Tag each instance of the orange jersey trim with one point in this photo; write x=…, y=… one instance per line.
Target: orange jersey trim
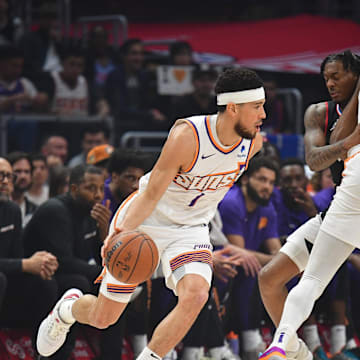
x=215, y=143
x=122, y=206
x=193, y=128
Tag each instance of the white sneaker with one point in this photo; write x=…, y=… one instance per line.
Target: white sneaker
x=302, y=354
x=52, y=331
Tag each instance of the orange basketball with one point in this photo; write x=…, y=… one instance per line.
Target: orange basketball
x=131, y=257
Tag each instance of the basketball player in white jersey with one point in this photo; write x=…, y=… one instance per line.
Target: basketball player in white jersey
x=201, y=159
x=337, y=237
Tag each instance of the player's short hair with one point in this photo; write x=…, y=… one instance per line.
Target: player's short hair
x=78, y=172
x=350, y=61
x=236, y=79
x=121, y=159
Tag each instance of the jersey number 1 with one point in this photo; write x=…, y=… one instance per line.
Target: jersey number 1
x=195, y=199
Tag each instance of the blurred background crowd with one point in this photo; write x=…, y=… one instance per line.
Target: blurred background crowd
x=86, y=101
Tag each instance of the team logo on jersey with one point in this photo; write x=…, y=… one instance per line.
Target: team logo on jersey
x=334, y=124
x=209, y=182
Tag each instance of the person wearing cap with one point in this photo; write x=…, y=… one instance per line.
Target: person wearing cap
x=99, y=157
x=202, y=100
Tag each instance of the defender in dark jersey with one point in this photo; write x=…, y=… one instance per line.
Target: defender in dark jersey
x=340, y=72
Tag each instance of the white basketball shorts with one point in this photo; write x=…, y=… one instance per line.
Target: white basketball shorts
x=183, y=250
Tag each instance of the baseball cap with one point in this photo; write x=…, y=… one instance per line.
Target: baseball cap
x=99, y=153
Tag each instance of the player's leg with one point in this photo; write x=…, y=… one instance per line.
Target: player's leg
x=290, y=261
x=192, y=292
x=273, y=278
x=99, y=311
x=327, y=255
x=186, y=265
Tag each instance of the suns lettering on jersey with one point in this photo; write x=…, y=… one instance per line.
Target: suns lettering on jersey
x=211, y=182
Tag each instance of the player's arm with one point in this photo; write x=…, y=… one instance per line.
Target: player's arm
x=177, y=154
x=319, y=156
x=347, y=122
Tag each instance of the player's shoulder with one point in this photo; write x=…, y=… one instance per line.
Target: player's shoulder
x=317, y=108
x=182, y=129
x=315, y=114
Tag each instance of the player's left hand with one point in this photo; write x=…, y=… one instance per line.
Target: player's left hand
x=102, y=215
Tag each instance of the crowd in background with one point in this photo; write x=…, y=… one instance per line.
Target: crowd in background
x=56, y=203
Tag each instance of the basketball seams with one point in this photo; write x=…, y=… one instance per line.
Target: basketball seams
x=148, y=243
x=121, y=250
x=136, y=260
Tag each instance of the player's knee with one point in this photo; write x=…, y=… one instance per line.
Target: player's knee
x=267, y=279
x=312, y=286
x=103, y=321
x=194, y=297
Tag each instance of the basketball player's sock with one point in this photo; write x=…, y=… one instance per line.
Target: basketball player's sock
x=337, y=338
x=139, y=342
x=311, y=337
x=283, y=336
x=193, y=353
x=65, y=311
x=148, y=354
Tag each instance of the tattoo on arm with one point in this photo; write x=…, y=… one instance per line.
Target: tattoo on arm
x=319, y=156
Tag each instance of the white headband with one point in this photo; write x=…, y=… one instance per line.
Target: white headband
x=240, y=97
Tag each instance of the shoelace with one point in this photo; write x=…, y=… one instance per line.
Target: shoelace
x=57, y=329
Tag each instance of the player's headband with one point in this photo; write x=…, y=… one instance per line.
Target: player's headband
x=240, y=97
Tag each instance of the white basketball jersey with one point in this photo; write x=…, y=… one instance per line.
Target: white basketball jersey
x=69, y=101
x=192, y=197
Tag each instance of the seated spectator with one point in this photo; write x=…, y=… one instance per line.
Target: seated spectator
x=73, y=227
x=181, y=54
x=293, y=204
x=39, y=189
x=55, y=149
x=26, y=284
x=321, y=180
x=202, y=100
x=125, y=167
x=42, y=47
x=101, y=60
x=93, y=135
x=71, y=95
x=59, y=177
x=22, y=168
x=250, y=222
x=99, y=156
x=10, y=28
x=17, y=94
x=71, y=90
x=127, y=92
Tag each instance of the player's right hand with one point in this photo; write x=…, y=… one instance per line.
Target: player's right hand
x=106, y=243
